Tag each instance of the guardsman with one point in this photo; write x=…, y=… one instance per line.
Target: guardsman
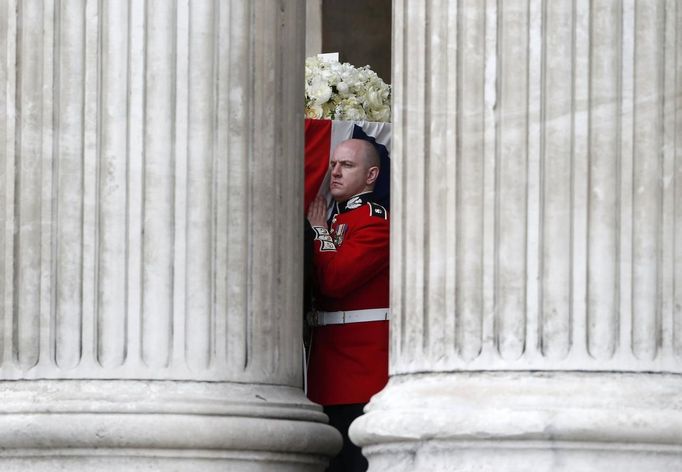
x=349, y=348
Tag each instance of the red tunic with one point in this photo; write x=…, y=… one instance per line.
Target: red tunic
x=349, y=362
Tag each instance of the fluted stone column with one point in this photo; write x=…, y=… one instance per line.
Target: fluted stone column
x=536, y=249
x=150, y=256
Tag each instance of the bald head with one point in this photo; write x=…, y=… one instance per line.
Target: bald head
x=369, y=153
x=365, y=150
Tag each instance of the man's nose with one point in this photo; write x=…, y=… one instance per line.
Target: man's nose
x=336, y=169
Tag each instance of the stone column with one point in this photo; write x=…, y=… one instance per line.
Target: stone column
x=536, y=257
x=150, y=256
x=313, y=27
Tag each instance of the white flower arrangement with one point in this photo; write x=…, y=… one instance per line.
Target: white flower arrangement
x=343, y=92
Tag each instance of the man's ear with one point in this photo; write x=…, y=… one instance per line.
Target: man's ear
x=372, y=174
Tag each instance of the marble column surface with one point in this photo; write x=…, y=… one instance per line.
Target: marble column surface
x=535, y=239
x=150, y=273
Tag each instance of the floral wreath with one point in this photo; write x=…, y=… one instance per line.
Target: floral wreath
x=340, y=91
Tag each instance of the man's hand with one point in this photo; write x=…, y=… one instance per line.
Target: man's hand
x=317, y=212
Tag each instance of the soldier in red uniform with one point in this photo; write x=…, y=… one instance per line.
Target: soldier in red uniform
x=349, y=347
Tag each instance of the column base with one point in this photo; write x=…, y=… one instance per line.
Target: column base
x=520, y=421
x=161, y=426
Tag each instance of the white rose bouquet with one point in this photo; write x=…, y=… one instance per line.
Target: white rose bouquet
x=343, y=92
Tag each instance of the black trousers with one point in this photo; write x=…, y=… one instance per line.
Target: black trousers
x=350, y=459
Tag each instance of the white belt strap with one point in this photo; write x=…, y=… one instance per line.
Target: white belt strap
x=323, y=318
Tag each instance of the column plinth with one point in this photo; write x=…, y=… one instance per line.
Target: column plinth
x=513, y=421
x=160, y=425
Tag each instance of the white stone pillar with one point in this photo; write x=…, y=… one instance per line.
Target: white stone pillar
x=536, y=257
x=313, y=27
x=150, y=256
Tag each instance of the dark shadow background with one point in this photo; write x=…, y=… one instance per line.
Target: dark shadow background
x=360, y=31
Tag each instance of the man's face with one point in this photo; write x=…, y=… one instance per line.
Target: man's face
x=348, y=172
